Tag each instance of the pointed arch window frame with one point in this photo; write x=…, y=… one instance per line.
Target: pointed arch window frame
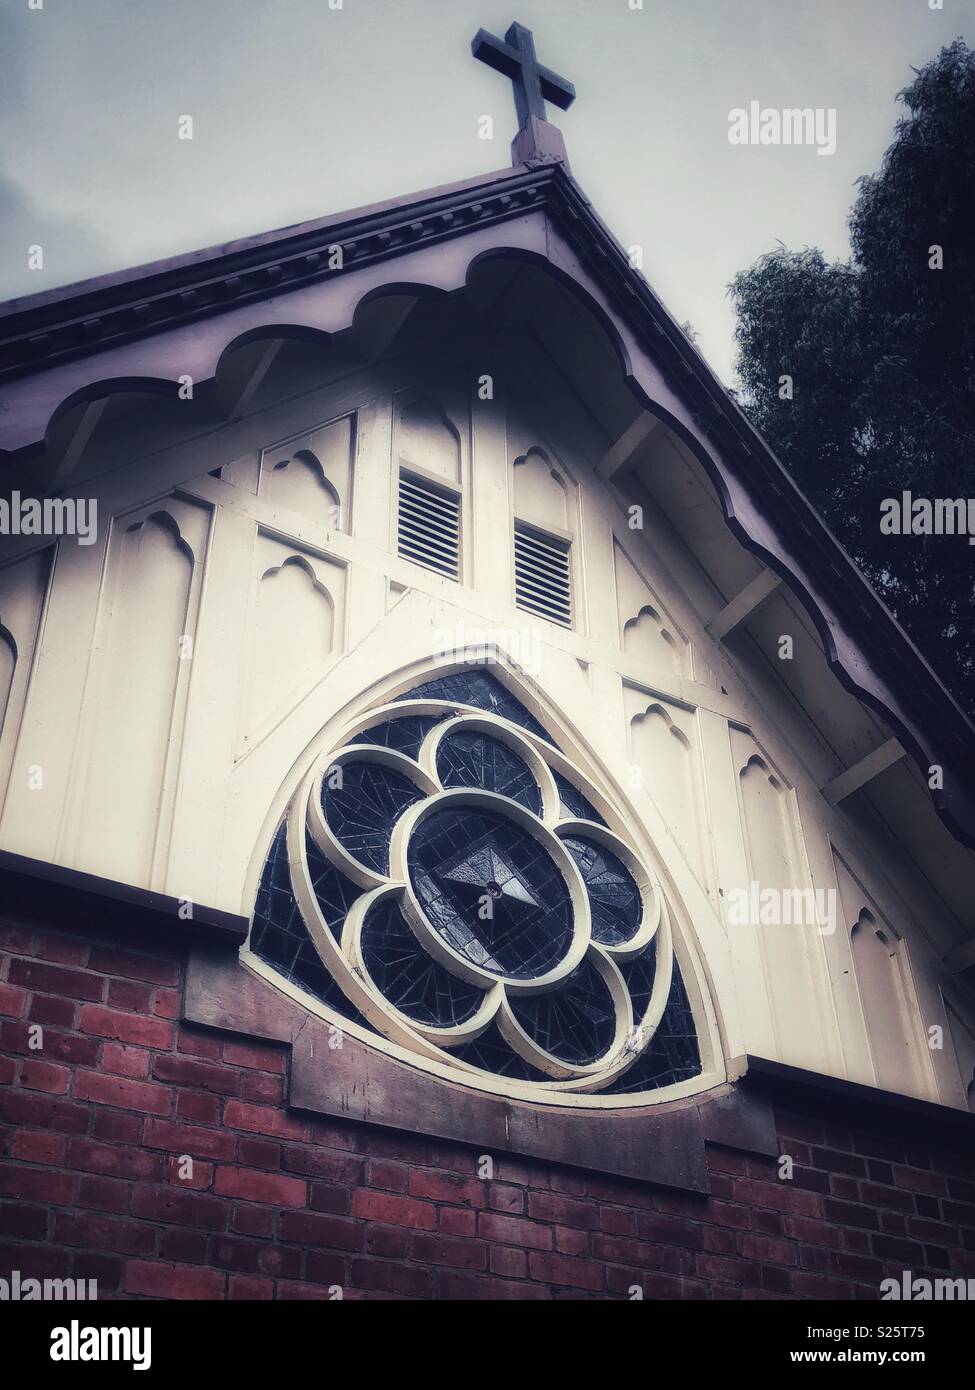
x=387, y=700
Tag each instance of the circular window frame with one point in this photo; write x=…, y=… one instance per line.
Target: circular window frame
x=431, y=940
x=416, y=1045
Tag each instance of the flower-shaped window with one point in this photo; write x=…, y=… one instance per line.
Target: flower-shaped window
x=446, y=880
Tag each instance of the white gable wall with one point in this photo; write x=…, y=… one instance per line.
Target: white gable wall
x=173, y=680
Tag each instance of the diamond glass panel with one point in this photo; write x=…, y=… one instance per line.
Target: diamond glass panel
x=280, y=938
x=335, y=892
x=491, y=891
x=614, y=898
x=482, y=690
x=575, y=1022
x=469, y=759
x=362, y=811
x=573, y=804
x=671, y=1055
x=411, y=981
x=404, y=735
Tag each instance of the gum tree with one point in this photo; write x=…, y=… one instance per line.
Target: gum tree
x=881, y=352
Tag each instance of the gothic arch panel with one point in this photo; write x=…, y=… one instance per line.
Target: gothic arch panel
x=788, y=920
x=311, y=475
x=299, y=483
x=891, y=1029
x=138, y=687
x=294, y=631
x=541, y=491
x=646, y=638
x=23, y=586
x=663, y=747
x=647, y=633
x=426, y=438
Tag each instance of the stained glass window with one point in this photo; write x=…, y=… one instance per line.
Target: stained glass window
x=614, y=898
x=576, y=1022
x=489, y=1052
x=335, y=892
x=405, y=735
x=638, y=974
x=574, y=805
x=491, y=891
x=407, y=976
x=472, y=759
x=672, y=1054
x=502, y=948
x=280, y=937
x=362, y=802
x=480, y=690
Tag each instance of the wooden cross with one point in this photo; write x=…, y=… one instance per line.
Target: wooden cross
x=514, y=55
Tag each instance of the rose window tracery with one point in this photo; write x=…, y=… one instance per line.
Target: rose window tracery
x=445, y=880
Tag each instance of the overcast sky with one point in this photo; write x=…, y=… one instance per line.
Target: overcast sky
x=301, y=110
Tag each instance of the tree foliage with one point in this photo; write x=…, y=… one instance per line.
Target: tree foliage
x=881, y=352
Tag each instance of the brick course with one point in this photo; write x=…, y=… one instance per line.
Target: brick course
x=95, y=1124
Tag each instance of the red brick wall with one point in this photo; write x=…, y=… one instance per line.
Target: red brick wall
x=280, y=1206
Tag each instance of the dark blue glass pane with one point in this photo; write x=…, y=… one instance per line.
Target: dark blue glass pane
x=574, y=1022
x=406, y=975
x=614, y=898
x=278, y=929
x=491, y=1053
x=491, y=891
x=279, y=935
x=362, y=811
x=468, y=759
x=405, y=735
x=573, y=803
x=335, y=892
x=672, y=1055
x=309, y=974
x=639, y=976
x=479, y=688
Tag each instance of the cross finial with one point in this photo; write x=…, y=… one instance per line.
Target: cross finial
x=534, y=85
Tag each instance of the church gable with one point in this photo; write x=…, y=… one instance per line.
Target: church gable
x=459, y=500
x=467, y=830
x=444, y=473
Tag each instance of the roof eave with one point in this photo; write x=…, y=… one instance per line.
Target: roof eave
x=79, y=320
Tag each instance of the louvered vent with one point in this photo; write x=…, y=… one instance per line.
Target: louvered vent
x=543, y=581
x=429, y=524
